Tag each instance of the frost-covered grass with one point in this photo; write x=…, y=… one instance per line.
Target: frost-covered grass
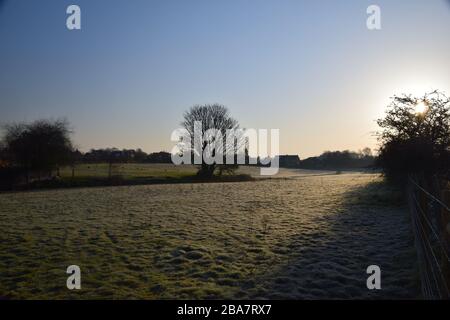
x=121, y=174
x=129, y=170
x=301, y=237
x=163, y=170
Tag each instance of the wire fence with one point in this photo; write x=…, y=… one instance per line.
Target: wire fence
x=429, y=203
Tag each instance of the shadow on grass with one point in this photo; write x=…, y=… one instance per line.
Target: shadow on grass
x=370, y=227
x=85, y=182
x=376, y=193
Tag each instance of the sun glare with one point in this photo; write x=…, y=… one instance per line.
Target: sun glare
x=420, y=107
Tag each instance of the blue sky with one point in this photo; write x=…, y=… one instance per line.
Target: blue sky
x=310, y=68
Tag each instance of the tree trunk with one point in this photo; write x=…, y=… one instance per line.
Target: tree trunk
x=206, y=171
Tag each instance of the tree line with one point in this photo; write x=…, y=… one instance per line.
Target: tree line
x=123, y=156
x=340, y=160
x=414, y=138
x=37, y=151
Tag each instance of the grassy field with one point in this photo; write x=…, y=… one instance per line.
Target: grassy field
x=129, y=171
x=301, y=237
x=163, y=171
x=99, y=174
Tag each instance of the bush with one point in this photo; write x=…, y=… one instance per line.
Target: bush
x=415, y=136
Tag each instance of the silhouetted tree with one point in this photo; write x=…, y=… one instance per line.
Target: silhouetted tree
x=216, y=117
x=159, y=157
x=366, y=152
x=415, y=136
x=139, y=155
x=40, y=146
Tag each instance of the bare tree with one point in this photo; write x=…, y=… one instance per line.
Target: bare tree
x=211, y=117
x=366, y=152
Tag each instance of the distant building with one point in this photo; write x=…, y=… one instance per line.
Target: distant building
x=289, y=161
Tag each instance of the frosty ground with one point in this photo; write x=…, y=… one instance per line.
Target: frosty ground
x=296, y=236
